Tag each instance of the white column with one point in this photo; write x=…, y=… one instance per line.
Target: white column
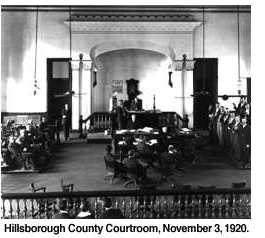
x=80, y=79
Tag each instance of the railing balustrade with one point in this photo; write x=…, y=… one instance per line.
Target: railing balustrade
x=195, y=203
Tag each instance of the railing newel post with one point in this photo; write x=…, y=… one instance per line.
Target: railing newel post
x=25, y=208
x=3, y=208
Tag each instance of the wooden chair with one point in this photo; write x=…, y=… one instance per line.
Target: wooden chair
x=40, y=203
x=67, y=187
x=110, y=168
x=33, y=189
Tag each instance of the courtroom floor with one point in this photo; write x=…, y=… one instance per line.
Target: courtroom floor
x=82, y=164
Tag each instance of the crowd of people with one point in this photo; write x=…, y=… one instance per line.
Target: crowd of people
x=26, y=146
x=137, y=155
x=231, y=130
x=85, y=210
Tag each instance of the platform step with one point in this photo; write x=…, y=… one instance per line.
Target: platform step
x=98, y=138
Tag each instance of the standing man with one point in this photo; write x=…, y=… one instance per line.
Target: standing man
x=121, y=116
x=66, y=121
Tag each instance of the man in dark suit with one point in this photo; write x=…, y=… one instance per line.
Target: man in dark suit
x=121, y=116
x=244, y=139
x=109, y=211
x=66, y=121
x=63, y=213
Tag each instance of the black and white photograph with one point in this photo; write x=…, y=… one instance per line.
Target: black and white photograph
x=125, y=112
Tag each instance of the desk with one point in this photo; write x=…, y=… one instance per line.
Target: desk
x=154, y=119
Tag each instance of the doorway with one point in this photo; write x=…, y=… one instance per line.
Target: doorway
x=59, y=87
x=205, y=88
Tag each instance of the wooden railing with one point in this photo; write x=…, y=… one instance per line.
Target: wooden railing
x=100, y=121
x=174, y=203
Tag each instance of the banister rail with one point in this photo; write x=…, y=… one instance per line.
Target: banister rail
x=143, y=203
x=122, y=193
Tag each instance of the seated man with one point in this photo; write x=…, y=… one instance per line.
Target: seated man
x=144, y=150
x=85, y=211
x=109, y=156
x=109, y=211
x=169, y=162
x=135, y=166
x=62, y=213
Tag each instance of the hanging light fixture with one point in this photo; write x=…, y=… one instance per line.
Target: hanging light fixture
x=88, y=64
x=35, y=85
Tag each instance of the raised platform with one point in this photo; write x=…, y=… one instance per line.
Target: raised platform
x=98, y=138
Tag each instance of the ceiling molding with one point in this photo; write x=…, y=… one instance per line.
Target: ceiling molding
x=121, y=9
x=137, y=27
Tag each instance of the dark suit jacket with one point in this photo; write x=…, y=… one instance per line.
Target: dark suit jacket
x=244, y=135
x=112, y=213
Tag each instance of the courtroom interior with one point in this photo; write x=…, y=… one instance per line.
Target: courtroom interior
x=125, y=111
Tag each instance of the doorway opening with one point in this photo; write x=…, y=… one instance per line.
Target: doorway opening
x=205, y=88
x=59, y=87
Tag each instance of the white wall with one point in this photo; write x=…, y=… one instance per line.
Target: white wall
x=18, y=42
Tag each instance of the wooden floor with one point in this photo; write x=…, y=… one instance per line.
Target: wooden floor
x=82, y=164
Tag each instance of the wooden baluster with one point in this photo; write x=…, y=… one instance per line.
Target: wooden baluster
x=54, y=207
x=105, y=121
x=165, y=209
x=199, y=206
x=233, y=213
x=158, y=208
x=25, y=210
x=186, y=206
x=227, y=208
x=130, y=208
x=32, y=208
x=206, y=214
x=10, y=208
x=137, y=208
x=144, y=208
x=39, y=208
x=213, y=208
x=96, y=208
x=239, y=207
x=4, y=209
x=220, y=208
x=172, y=208
x=46, y=208
x=116, y=203
x=123, y=205
x=192, y=206
x=179, y=206
x=99, y=121
x=152, y=209
x=248, y=209
x=18, y=208
x=76, y=206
